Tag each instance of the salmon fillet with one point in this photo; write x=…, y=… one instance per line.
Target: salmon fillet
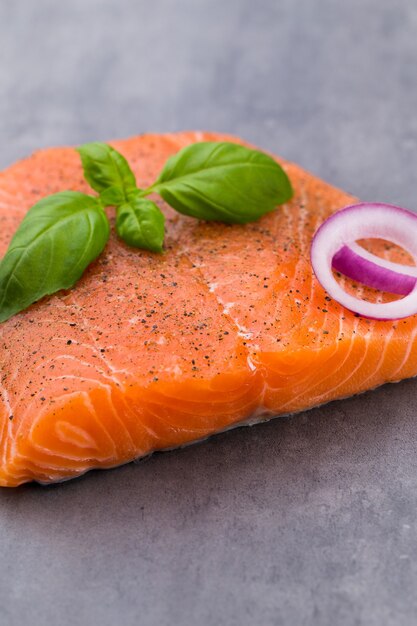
x=150, y=351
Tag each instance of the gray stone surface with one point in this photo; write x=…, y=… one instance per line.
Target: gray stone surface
x=308, y=520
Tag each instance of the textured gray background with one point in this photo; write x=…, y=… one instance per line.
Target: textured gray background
x=308, y=520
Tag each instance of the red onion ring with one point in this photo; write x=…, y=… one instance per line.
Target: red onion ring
x=357, y=263
x=362, y=221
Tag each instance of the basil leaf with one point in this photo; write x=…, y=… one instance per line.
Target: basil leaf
x=140, y=223
x=223, y=181
x=57, y=239
x=107, y=172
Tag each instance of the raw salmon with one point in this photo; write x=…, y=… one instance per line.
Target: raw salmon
x=150, y=351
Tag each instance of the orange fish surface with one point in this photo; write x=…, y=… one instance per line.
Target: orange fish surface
x=149, y=351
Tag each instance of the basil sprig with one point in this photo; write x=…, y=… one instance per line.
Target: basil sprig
x=57, y=239
x=63, y=233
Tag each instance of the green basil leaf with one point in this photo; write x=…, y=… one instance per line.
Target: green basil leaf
x=223, y=181
x=57, y=239
x=140, y=223
x=107, y=172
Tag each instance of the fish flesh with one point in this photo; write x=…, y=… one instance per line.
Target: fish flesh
x=153, y=351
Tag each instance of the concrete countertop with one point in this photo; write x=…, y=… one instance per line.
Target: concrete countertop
x=304, y=520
